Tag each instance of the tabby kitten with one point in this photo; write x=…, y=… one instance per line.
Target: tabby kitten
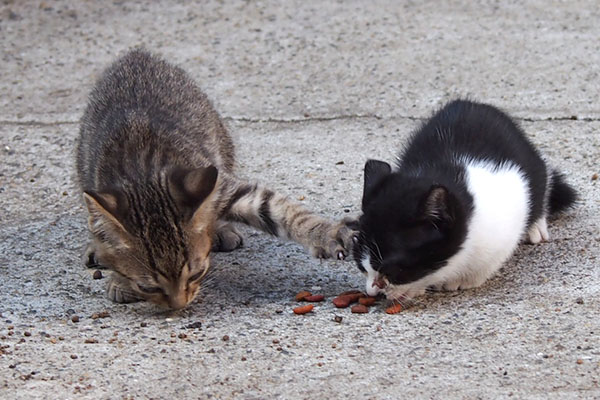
x=155, y=164
x=466, y=189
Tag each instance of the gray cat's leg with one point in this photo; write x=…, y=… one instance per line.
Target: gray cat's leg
x=226, y=237
x=274, y=213
x=119, y=290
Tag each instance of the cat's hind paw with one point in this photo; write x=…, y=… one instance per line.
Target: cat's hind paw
x=538, y=231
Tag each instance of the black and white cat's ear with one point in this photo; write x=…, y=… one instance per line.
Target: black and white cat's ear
x=374, y=171
x=436, y=206
x=106, y=211
x=191, y=187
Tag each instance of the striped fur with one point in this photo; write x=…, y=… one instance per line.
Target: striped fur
x=155, y=164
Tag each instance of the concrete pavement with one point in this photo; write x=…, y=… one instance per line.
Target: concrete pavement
x=309, y=91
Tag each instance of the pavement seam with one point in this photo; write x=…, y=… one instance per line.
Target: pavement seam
x=308, y=119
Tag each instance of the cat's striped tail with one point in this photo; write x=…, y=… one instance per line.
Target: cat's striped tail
x=562, y=195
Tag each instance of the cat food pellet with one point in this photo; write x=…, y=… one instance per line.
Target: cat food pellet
x=394, y=309
x=367, y=301
x=225, y=338
x=341, y=302
x=91, y=341
x=595, y=177
x=353, y=291
x=303, y=309
x=338, y=319
x=143, y=324
x=74, y=356
x=344, y=300
x=97, y=274
x=302, y=295
x=27, y=333
x=359, y=309
x=315, y=298
x=579, y=361
x=182, y=336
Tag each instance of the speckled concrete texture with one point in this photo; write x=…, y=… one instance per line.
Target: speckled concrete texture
x=309, y=91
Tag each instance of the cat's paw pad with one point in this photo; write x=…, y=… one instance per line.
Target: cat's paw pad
x=338, y=242
x=116, y=291
x=227, y=238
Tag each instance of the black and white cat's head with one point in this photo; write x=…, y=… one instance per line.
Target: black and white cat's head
x=408, y=230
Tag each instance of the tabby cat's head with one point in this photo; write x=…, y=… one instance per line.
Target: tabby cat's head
x=157, y=236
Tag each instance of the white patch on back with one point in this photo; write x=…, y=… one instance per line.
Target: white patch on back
x=498, y=222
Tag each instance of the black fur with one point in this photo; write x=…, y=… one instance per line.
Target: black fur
x=416, y=216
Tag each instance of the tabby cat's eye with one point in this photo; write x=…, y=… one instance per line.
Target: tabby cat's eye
x=151, y=289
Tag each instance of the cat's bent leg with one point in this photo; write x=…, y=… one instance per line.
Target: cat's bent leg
x=226, y=237
x=274, y=213
x=539, y=231
x=119, y=290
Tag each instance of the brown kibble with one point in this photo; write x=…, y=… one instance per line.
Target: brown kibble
x=91, y=341
x=579, y=361
x=344, y=300
x=53, y=341
x=243, y=358
x=338, y=319
x=225, y=338
x=26, y=333
x=341, y=302
x=75, y=318
x=303, y=309
x=143, y=324
x=315, y=298
x=359, y=309
x=182, y=336
x=74, y=356
x=303, y=295
x=595, y=177
x=394, y=309
x=97, y=274
x=367, y=301
x=353, y=291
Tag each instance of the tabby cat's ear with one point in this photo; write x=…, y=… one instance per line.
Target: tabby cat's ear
x=436, y=205
x=106, y=211
x=191, y=187
x=374, y=172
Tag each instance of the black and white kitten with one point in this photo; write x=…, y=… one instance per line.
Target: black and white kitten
x=466, y=189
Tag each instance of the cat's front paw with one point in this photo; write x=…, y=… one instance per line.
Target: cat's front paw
x=337, y=241
x=119, y=291
x=227, y=238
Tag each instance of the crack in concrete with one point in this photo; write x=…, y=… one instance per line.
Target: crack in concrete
x=308, y=119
